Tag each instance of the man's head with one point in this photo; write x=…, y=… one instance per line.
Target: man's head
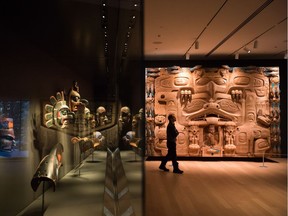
x=171, y=118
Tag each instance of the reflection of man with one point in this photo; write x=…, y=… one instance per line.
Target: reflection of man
x=172, y=133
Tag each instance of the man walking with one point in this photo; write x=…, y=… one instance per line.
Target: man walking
x=172, y=133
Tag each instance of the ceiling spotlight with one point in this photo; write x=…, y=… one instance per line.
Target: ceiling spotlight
x=237, y=56
x=247, y=50
x=255, y=45
x=196, y=45
x=187, y=56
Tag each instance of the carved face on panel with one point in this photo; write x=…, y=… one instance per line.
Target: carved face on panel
x=211, y=129
x=125, y=114
x=101, y=111
x=61, y=111
x=251, y=117
x=257, y=134
x=194, y=129
x=160, y=120
x=74, y=100
x=229, y=129
x=101, y=115
x=141, y=113
x=62, y=115
x=87, y=113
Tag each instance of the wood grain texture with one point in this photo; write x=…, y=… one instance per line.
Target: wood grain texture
x=217, y=188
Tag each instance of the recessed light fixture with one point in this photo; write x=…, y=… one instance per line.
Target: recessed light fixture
x=236, y=55
x=196, y=45
x=255, y=45
x=247, y=50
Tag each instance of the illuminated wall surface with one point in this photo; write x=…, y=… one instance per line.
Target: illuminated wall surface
x=222, y=111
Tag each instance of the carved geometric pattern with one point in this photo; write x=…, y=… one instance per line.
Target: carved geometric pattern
x=241, y=80
x=228, y=106
x=195, y=105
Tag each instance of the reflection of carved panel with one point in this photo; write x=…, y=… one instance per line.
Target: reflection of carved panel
x=228, y=106
x=241, y=80
x=195, y=105
x=181, y=81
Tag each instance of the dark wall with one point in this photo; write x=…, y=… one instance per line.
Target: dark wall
x=30, y=73
x=27, y=72
x=52, y=41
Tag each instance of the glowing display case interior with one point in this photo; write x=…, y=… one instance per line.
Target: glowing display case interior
x=13, y=117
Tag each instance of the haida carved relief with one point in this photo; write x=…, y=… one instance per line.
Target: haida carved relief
x=220, y=111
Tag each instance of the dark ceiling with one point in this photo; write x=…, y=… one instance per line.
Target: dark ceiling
x=75, y=31
x=100, y=37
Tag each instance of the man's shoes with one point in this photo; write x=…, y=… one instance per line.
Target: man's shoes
x=176, y=168
x=163, y=168
x=178, y=171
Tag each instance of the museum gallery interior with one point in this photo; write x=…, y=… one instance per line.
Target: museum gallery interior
x=87, y=87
